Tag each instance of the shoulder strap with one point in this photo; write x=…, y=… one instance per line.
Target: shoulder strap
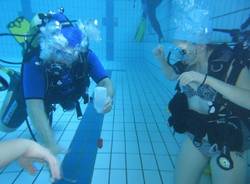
x=238, y=63
x=240, y=60
x=80, y=69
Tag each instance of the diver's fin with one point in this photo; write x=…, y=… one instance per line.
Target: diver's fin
x=140, y=31
x=19, y=26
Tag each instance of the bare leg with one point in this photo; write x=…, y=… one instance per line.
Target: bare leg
x=190, y=164
x=151, y=11
x=236, y=175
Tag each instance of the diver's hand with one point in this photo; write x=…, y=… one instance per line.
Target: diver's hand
x=159, y=53
x=189, y=77
x=108, y=105
x=37, y=153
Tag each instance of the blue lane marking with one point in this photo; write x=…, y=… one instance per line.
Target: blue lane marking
x=110, y=22
x=78, y=164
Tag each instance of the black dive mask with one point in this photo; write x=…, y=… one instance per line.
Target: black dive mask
x=179, y=67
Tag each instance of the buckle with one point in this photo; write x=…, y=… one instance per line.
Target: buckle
x=213, y=148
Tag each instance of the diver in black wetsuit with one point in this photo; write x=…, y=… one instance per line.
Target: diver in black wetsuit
x=149, y=10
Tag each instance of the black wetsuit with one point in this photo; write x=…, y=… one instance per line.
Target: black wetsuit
x=149, y=10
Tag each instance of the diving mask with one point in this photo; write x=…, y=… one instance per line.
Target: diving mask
x=179, y=58
x=176, y=58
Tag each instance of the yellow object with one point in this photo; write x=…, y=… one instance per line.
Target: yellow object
x=19, y=26
x=140, y=31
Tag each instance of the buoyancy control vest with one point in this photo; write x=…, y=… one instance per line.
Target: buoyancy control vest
x=67, y=85
x=224, y=126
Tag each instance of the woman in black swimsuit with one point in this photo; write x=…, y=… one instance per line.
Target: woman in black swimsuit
x=201, y=89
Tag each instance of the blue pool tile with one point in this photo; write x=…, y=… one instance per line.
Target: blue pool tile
x=168, y=137
x=135, y=176
x=117, y=176
x=102, y=161
x=72, y=126
x=164, y=128
x=67, y=136
x=58, y=134
x=145, y=147
x=8, y=178
x=141, y=127
x=2, y=134
x=25, y=176
x=44, y=177
x=149, y=162
x=152, y=177
x=118, y=147
x=130, y=136
x=139, y=118
x=132, y=147
x=129, y=127
x=100, y=176
x=64, y=144
x=143, y=136
x=149, y=118
x=107, y=126
x=60, y=126
x=128, y=118
x=159, y=148
x=152, y=128
x=167, y=177
x=133, y=161
x=173, y=148
x=108, y=119
x=180, y=137
x=164, y=163
x=106, y=135
x=118, y=161
x=155, y=136
x=119, y=126
x=118, y=136
x=12, y=135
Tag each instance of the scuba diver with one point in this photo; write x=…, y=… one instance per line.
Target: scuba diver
x=57, y=65
x=211, y=106
x=149, y=11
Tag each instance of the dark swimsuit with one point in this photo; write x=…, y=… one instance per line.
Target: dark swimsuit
x=207, y=93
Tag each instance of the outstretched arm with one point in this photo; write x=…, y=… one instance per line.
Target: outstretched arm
x=27, y=151
x=37, y=114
